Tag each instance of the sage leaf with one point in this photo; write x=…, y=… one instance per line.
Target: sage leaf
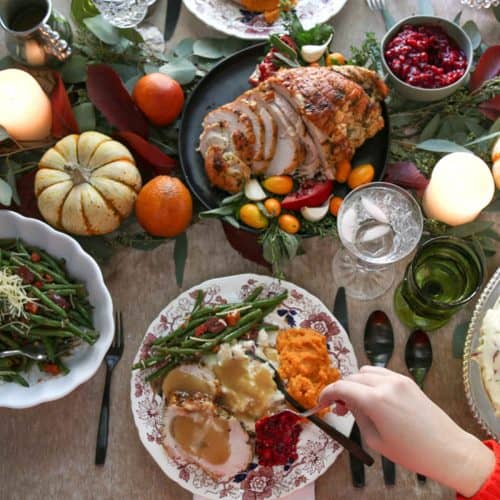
x=180, y=257
x=102, y=29
x=425, y=8
x=457, y=18
x=291, y=244
x=182, y=70
x=474, y=126
x=184, y=48
x=431, y=128
x=487, y=137
x=470, y=27
x=441, y=146
x=75, y=70
x=4, y=135
x=234, y=198
x=232, y=221
x=85, y=116
x=219, y=211
x=470, y=228
x=458, y=341
x=5, y=193
x=209, y=48
x=491, y=233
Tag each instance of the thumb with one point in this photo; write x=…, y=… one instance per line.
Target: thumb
x=356, y=396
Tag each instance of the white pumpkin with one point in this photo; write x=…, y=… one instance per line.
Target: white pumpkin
x=87, y=184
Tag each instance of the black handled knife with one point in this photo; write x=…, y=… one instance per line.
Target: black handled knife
x=173, y=11
x=357, y=467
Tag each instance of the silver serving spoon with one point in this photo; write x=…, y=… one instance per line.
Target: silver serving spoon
x=36, y=353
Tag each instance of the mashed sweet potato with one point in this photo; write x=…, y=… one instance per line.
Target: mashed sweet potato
x=304, y=364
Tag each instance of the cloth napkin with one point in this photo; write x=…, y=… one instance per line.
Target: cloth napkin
x=305, y=493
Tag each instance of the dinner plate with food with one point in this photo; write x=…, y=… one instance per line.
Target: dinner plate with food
x=56, y=314
x=204, y=399
x=482, y=361
x=257, y=19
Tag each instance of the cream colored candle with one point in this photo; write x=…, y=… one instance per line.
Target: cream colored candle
x=25, y=110
x=461, y=186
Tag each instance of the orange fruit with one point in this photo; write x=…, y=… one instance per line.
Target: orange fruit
x=335, y=205
x=278, y=184
x=361, y=175
x=273, y=206
x=159, y=97
x=335, y=59
x=289, y=223
x=252, y=216
x=164, y=207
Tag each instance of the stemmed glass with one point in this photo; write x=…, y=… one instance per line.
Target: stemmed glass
x=124, y=13
x=379, y=224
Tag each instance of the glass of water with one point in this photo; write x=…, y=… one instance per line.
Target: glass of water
x=378, y=224
x=124, y=13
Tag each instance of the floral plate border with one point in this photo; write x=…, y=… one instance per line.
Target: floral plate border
x=228, y=17
x=316, y=450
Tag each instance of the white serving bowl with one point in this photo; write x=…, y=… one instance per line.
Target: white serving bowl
x=85, y=360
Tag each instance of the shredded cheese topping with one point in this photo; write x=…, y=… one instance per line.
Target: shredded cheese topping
x=13, y=295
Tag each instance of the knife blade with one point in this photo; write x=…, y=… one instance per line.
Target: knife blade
x=357, y=467
x=172, y=16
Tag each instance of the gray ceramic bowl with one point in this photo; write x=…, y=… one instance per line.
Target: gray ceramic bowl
x=455, y=32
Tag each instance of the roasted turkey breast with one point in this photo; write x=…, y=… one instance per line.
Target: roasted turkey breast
x=300, y=121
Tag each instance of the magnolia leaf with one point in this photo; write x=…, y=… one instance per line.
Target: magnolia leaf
x=491, y=233
x=4, y=135
x=130, y=84
x=81, y=9
x=232, y=45
x=10, y=177
x=209, y=48
x=425, y=8
x=457, y=18
x=182, y=70
x=458, y=341
x=5, y=193
x=474, y=126
x=496, y=11
x=441, y=146
x=470, y=27
x=98, y=246
x=180, y=257
x=102, y=29
x=85, y=116
x=487, y=137
x=460, y=137
x=126, y=71
x=431, y=128
x=471, y=228
x=184, y=48
x=75, y=70
x=6, y=62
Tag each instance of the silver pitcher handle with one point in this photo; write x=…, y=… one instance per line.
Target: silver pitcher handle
x=53, y=43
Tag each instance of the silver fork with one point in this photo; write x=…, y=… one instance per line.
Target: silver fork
x=376, y=4
x=111, y=359
x=379, y=5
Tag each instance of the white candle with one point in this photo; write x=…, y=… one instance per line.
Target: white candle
x=25, y=110
x=461, y=186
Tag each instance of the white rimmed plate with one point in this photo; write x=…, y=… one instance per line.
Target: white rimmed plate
x=229, y=18
x=477, y=396
x=316, y=450
x=85, y=360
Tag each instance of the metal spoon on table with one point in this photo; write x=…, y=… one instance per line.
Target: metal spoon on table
x=418, y=358
x=379, y=346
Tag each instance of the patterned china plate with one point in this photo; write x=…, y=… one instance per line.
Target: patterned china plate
x=477, y=397
x=316, y=450
x=230, y=18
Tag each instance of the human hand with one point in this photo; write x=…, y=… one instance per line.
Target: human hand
x=400, y=422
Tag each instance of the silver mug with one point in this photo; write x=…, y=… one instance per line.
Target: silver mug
x=35, y=34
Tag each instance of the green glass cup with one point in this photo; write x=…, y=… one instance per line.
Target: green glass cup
x=445, y=274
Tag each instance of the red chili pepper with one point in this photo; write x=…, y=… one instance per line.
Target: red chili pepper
x=35, y=257
x=51, y=368
x=31, y=307
x=200, y=330
x=48, y=278
x=38, y=284
x=232, y=318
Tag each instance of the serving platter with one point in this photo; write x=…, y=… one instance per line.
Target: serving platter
x=225, y=82
x=229, y=18
x=316, y=450
x=477, y=396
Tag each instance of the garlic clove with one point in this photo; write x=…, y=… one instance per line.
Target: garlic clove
x=254, y=191
x=313, y=53
x=315, y=214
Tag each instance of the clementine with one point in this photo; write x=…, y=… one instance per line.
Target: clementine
x=159, y=97
x=164, y=207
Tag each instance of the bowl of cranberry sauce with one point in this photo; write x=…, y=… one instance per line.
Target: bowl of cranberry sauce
x=427, y=58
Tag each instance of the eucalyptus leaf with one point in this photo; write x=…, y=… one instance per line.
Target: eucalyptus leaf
x=151, y=68
x=5, y=193
x=126, y=71
x=470, y=27
x=210, y=48
x=75, y=70
x=487, y=137
x=425, y=8
x=184, y=48
x=232, y=45
x=475, y=227
x=182, y=70
x=85, y=116
x=457, y=18
x=131, y=83
x=429, y=131
x=102, y=29
x=4, y=135
x=458, y=341
x=441, y=146
x=180, y=257
x=131, y=34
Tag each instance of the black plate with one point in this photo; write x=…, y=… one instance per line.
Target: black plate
x=223, y=84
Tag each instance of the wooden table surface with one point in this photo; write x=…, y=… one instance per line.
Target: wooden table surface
x=47, y=452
